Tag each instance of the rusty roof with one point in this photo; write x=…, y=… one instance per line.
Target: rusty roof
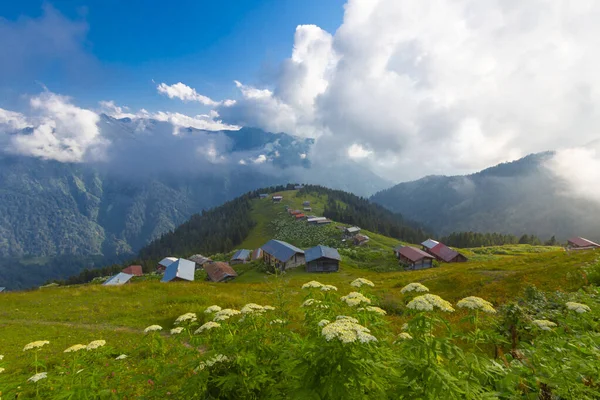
x=582, y=242
x=443, y=252
x=412, y=253
x=219, y=271
x=134, y=270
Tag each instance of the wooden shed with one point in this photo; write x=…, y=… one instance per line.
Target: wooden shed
x=240, y=257
x=322, y=259
x=135, y=270
x=282, y=255
x=413, y=258
x=579, y=243
x=219, y=272
x=444, y=253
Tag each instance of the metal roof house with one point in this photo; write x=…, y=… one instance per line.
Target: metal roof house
x=282, y=255
x=164, y=263
x=413, y=258
x=2, y=289
x=240, y=257
x=360, y=240
x=119, y=279
x=220, y=272
x=257, y=254
x=306, y=203
x=200, y=260
x=315, y=220
x=180, y=270
x=579, y=243
x=135, y=270
x=429, y=244
x=322, y=259
x=277, y=199
x=263, y=195
x=444, y=253
x=351, y=231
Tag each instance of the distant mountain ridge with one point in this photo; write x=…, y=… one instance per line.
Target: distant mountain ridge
x=516, y=197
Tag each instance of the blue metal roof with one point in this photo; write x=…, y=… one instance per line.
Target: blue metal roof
x=314, y=253
x=241, y=255
x=119, y=279
x=182, y=269
x=281, y=250
x=2, y=289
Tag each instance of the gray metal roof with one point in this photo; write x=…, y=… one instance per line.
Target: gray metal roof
x=430, y=243
x=165, y=262
x=241, y=255
x=353, y=229
x=281, y=250
x=182, y=269
x=314, y=253
x=119, y=279
x=2, y=289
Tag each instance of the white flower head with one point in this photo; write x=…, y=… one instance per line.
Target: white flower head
x=347, y=331
x=225, y=314
x=212, y=309
x=323, y=322
x=428, y=302
x=327, y=288
x=358, y=282
x=355, y=298
x=277, y=321
x=414, y=287
x=578, y=307
x=75, y=348
x=187, y=317
x=404, y=336
x=35, y=345
x=544, y=324
x=347, y=318
x=476, y=303
x=312, y=284
x=373, y=309
x=177, y=331
x=310, y=302
x=269, y=308
x=121, y=357
x=38, y=377
x=1, y=357
x=207, y=326
x=95, y=344
x=2, y=370
x=153, y=328
x=252, y=308
x=219, y=358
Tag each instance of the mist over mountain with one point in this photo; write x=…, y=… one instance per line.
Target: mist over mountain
x=524, y=196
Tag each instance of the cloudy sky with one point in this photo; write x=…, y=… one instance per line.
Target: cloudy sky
x=405, y=87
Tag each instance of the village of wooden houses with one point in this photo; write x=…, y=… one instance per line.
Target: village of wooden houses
x=280, y=256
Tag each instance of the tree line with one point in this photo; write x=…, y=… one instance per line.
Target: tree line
x=476, y=239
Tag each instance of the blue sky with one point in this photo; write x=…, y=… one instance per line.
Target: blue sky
x=206, y=44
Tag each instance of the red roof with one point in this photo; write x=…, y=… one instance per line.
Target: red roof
x=295, y=212
x=443, y=252
x=135, y=270
x=413, y=254
x=582, y=242
x=298, y=216
x=219, y=271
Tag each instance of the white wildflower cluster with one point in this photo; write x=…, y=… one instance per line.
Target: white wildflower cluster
x=207, y=326
x=476, y=303
x=578, y=307
x=347, y=330
x=358, y=282
x=347, y=318
x=95, y=344
x=75, y=348
x=212, y=309
x=414, y=287
x=310, y=302
x=225, y=314
x=121, y=357
x=405, y=336
x=177, y=331
x=35, y=345
x=312, y=284
x=374, y=309
x=323, y=322
x=428, y=302
x=355, y=298
x=327, y=288
x=277, y=321
x=153, y=328
x=219, y=358
x=38, y=377
x=2, y=370
x=187, y=317
x=544, y=324
x=1, y=357
x=252, y=308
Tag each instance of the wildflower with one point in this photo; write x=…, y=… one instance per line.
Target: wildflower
x=404, y=326
x=354, y=299
x=327, y=288
x=323, y=322
x=251, y=308
x=476, y=303
x=219, y=358
x=38, y=377
x=544, y=324
x=310, y=302
x=404, y=336
x=95, y=344
x=225, y=314
x=277, y=321
x=578, y=307
x=212, y=309
x=207, y=326
x=1, y=370
x=35, y=345
x=269, y=308
x=1, y=357
x=153, y=328
x=414, y=287
x=75, y=348
x=176, y=331
x=121, y=357
x=347, y=331
x=376, y=310
x=312, y=284
x=347, y=318
x=427, y=302
x=187, y=317
x=361, y=281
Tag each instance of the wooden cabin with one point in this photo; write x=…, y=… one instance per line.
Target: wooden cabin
x=219, y=272
x=282, y=255
x=413, y=258
x=444, y=253
x=322, y=259
x=579, y=243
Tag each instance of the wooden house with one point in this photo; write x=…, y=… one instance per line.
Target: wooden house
x=579, y=243
x=164, y=263
x=277, y=199
x=263, y=195
x=429, y=244
x=413, y=258
x=307, y=209
x=306, y=204
x=315, y=220
x=199, y=260
x=257, y=254
x=180, y=270
x=240, y=257
x=2, y=289
x=219, y=272
x=322, y=259
x=300, y=216
x=135, y=270
x=282, y=255
x=119, y=279
x=444, y=253
x=351, y=231
x=360, y=240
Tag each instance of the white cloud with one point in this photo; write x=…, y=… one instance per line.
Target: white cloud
x=356, y=151
x=260, y=159
x=185, y=93
x=579, y=169
x=10, y=120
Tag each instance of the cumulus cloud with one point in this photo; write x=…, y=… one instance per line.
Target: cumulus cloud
x=185, y=93
x=579, y=169
x=11, y=120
